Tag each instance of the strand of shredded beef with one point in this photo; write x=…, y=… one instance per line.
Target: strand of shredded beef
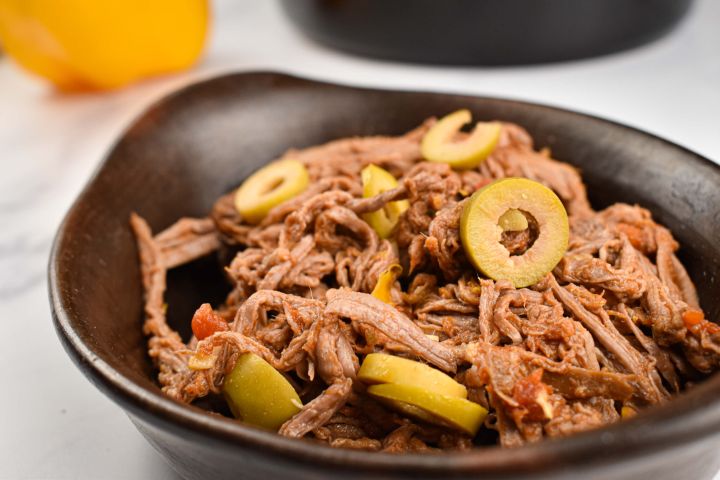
x=606, y=329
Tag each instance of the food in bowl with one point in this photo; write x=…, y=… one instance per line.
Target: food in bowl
x=438, y=290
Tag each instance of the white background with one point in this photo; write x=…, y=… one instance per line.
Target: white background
x=53, y=423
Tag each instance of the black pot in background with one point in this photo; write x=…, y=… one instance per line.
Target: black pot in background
x=484, y=32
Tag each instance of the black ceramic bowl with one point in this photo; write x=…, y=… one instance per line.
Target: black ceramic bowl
x=202, y=141
x=484, y=32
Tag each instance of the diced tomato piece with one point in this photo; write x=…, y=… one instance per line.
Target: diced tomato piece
x=532, y=395
x=694, y=321
x=637, y=236
x=205, y=322
x=692, y=318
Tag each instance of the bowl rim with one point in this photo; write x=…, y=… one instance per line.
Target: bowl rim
x=689, y=418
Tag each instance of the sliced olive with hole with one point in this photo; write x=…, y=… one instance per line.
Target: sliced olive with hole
x=269, y=187
x=411, y=411
x=383, y=368
x=481, y=231
x=433, y=407
x=258, y=394
x=441, y=143
x=375, y=181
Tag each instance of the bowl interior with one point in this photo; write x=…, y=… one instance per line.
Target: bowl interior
x=201, y=142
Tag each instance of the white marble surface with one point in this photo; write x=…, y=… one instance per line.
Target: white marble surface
x=53, y=423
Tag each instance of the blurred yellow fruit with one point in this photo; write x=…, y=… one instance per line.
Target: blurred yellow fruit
x=102, y=44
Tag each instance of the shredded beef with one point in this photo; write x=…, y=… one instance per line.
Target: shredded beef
x=366, y=311
x=616, y=324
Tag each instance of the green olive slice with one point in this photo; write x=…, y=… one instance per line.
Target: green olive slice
x=375, y=181
x=434, y=407
x=258, y=394
x=481, y=233
x=439, y=144
x=269, y=187
x=383, y=368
